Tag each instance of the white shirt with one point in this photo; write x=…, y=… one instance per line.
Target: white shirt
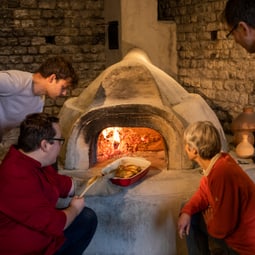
x=17, y=98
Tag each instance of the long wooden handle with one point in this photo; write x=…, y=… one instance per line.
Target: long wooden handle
x=84, y=191
x=90, y=182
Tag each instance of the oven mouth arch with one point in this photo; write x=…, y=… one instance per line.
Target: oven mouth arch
x=83, y=139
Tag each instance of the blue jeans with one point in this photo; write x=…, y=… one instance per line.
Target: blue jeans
x=198, y=238
x=79, y=233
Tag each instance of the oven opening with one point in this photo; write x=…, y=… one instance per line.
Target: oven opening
x=116, y=142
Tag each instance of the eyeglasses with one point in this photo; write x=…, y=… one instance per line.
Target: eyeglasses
x=61, y=140
x=232, y=30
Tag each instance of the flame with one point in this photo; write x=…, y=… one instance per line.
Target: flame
x=116, y=135
x=117, y=141
x=112, y=134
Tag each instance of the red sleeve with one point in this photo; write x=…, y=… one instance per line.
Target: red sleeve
x=198, y=202
x=62, y=182
x=29, y=199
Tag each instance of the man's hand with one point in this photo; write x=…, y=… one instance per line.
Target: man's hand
x=74, y=209
x=77, y=203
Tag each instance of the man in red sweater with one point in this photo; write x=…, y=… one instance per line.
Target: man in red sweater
x=29, y=190
x=223, y=206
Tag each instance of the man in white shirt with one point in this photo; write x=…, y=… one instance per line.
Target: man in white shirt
x=22, y=93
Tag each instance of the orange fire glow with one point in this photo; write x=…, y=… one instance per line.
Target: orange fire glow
x=116, y=141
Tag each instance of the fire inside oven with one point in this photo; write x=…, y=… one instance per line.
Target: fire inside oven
x=114, y=142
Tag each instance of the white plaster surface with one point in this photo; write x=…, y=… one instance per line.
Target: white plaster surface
x=133, y=85
x=141, y=219
x=140, y=28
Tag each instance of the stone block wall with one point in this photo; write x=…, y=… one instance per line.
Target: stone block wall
x=209, y=63
x=33, y=30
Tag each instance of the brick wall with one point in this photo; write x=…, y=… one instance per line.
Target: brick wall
x=209, y=63
x=33, y=30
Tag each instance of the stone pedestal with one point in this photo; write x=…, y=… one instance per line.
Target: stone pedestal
x=141, y=219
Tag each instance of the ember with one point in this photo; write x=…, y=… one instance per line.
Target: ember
x=116, y=141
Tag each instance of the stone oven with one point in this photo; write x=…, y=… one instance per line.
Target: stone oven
x=131, y=93
x=135, y=95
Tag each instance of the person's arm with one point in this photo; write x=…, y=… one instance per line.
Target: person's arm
x=26, y=204
x=184, y=225
x=198, y=202
x=74, y=209
x=11, y=82
x=64, y=183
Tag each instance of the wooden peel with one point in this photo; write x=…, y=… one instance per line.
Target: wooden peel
x=90, y=182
